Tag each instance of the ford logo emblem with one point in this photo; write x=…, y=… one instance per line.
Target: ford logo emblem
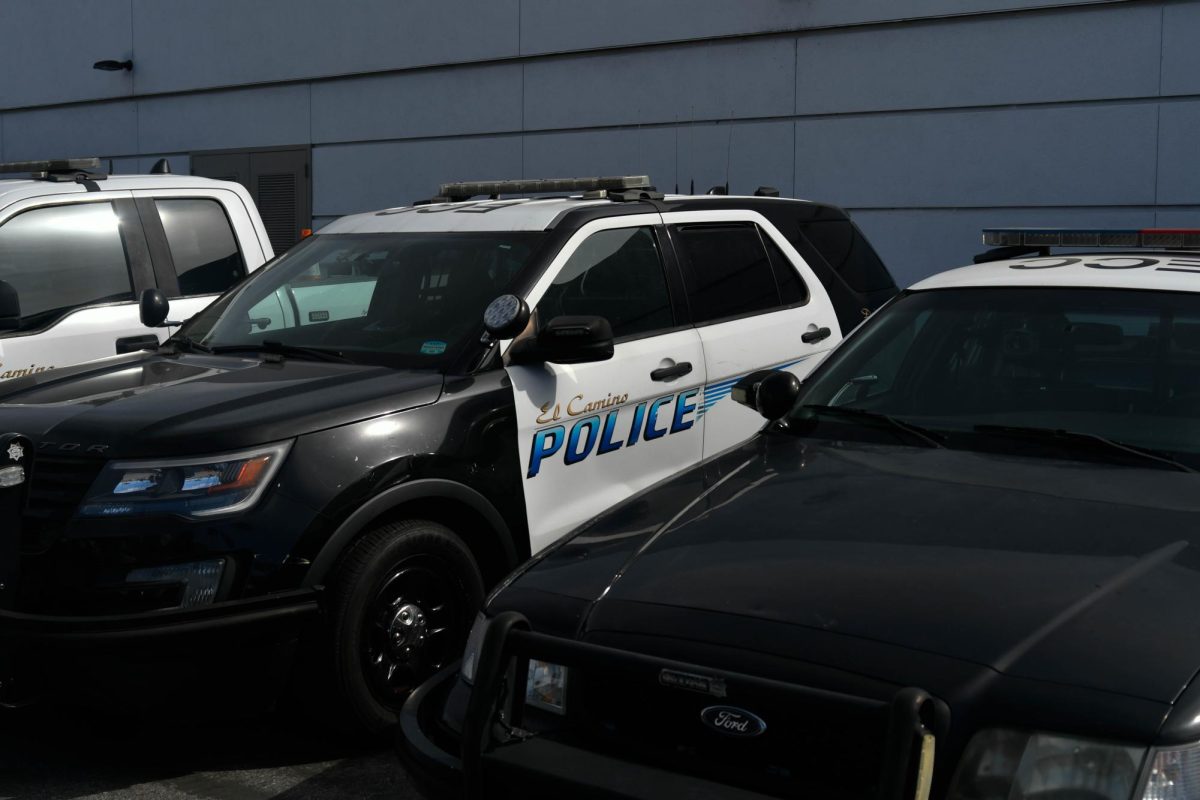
x=733, y=721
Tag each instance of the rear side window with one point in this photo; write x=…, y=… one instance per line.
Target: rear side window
x=615, y=274
x=792, y=291
x=64, y=257
x=729, y=272
x=847, y=251
x=202, y=244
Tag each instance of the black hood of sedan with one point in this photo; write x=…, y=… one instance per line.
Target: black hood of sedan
x=1075, y=573
x=150, y=405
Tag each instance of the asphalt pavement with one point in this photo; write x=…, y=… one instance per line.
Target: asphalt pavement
x=75, y=754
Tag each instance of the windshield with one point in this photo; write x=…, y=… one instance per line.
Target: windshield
x=411, y=300
x=1047, y=369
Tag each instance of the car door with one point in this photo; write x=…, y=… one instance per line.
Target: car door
x=78, y=264
x=756, y=305
x=196, y=244
x=592, y=434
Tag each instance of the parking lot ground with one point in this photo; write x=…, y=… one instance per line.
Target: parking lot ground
x=72, y=754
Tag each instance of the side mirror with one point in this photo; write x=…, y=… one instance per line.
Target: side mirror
x=154, y=308
x=506, y=316
x=10, y=307
x=768, y=392
x=568, y=340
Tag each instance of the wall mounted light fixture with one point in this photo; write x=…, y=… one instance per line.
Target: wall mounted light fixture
x=113, y=66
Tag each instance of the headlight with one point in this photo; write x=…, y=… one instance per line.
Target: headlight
x=546, y=686
x=471, y=653
x=189, y=487
x=1018, y=765
x=1174, y=774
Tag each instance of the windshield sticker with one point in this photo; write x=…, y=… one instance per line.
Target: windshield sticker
x=648, y=421
x=318, y=316
x=433, y=348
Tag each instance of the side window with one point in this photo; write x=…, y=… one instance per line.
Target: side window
x=202, y=244
x=63, y=257
x=616, y=274
x=848, y=252
x=730, y=273
x=792, y=290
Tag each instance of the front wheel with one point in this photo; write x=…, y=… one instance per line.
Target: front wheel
x=403, y=600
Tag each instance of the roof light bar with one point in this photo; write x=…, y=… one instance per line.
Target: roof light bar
x=55, y=165
x=1157, y=238
x=466, y=189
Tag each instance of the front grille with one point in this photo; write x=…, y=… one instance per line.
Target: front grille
x=56, y=488
x=809, y=748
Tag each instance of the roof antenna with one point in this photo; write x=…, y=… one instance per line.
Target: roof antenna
x=676, y=155
x=728, y=150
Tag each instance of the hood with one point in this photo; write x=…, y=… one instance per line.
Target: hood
x=1079, y=574
x=151, y=405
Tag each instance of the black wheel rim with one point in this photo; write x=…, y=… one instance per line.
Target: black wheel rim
x=415, y=626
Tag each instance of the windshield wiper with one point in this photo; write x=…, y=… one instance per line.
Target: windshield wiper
x=187, y=343
x=1092, y=441
x=288, y=350
x=930, y=438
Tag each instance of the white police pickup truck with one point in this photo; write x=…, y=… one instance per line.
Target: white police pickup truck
x=78, y=247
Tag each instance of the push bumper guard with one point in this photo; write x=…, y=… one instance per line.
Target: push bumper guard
x=498, y=755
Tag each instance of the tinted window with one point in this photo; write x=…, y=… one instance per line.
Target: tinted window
x=63, y=257
x=848, y=252
x=397, y=299
x=730, y=273
x=618, y=275
x=792, y=290
x=202, y=245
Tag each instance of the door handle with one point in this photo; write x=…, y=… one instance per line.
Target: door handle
x=667, y=373
x=131, y=344
x=812, y=337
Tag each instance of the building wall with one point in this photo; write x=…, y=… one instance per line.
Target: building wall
x=926, y=121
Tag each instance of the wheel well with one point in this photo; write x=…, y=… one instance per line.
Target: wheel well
x=480, y=537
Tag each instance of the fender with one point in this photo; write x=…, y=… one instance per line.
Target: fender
x=396, y=496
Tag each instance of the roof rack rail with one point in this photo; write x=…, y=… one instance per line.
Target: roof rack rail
x=465, y=190
x=58, y=170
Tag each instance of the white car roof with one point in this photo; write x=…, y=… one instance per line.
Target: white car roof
x=19, y=189
x=1162, y=271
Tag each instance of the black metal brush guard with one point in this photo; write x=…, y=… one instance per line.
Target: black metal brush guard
x=495, y=749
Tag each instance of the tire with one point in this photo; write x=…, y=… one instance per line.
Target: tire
x=403, y=599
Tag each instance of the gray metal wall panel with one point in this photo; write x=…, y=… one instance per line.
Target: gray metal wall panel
x=549, y=26
x=83, y=130
x=363, y=177
x=452, y=101
x=276, y=115
x=626, y=151
x=183, y=44
x=1180, y=56
x=1085, y=155
x=50, y=46
x=1033, y=58
x=708, y=81
x=917, y=243
x=1179, y=153
x=755, y=154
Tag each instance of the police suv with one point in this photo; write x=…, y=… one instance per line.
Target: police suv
x=77, y=248
x=962, y=561
x=347, y=446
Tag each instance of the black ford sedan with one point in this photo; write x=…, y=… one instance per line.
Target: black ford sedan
x=961, y=561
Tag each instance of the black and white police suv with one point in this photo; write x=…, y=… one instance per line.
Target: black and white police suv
x=77, y=248
x=338, y=447
x=963, y=561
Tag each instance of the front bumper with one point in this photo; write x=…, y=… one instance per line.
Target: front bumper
x=498, y=759
x=198, y=658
